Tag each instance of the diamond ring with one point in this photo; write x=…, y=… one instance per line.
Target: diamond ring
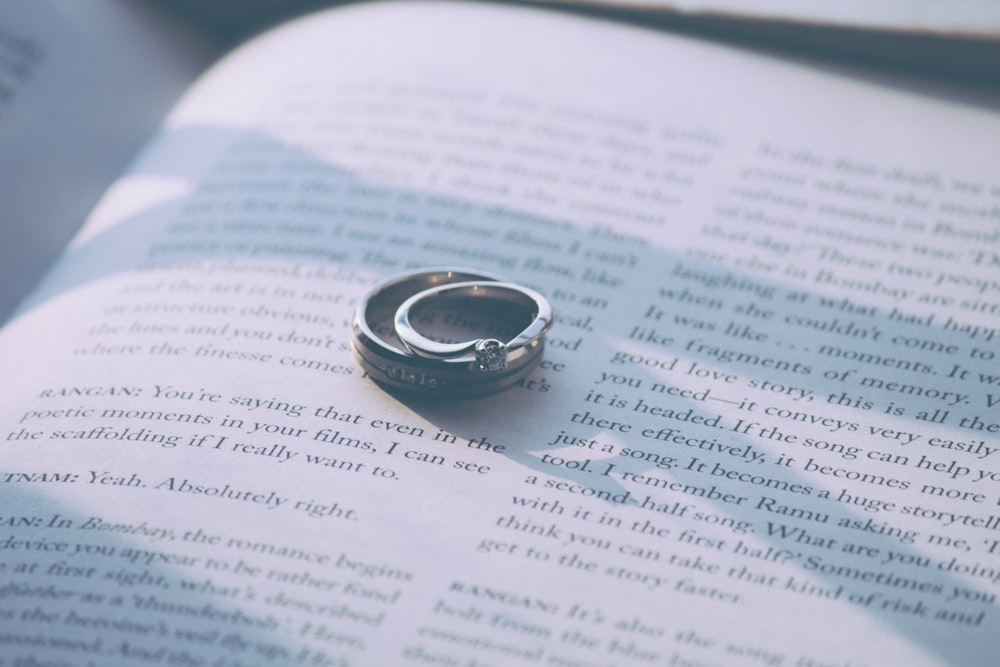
x=390, y=362
x=507, y=302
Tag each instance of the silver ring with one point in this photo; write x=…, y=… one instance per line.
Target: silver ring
x=387, y=361
x=489, y=354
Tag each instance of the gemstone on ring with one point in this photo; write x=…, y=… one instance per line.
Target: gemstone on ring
x=491, y=355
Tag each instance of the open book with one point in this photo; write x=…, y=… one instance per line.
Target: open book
x=765, y=431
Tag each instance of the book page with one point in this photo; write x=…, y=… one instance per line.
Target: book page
x=82, y=87
x=764, y=431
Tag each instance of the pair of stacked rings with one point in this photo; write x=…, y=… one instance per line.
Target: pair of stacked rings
x=395, y=354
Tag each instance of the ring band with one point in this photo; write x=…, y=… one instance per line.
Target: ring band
x=386, y=361
x=489, y=354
